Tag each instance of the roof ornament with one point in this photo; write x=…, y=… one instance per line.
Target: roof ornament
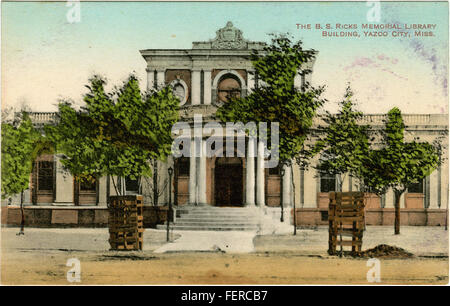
x=229, y=37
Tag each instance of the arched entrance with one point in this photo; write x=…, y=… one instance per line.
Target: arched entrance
x=228, y=181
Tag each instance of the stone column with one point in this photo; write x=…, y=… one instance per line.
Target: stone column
x=192, y=175
x=298, y=80
x=260, y=200
x=201, y=181
x=433, y=189
x=207, y=86
x=27, y=196
x=346, y=182
x=286, y=185
x=250, y=81
x=402, y=200
x=310, y=188
x=389, y=199
x=250, y=173
x=160, y=78
x=444, y=183
x=64, y=184
x=150, y=78
x=102, y=201
x=113, y=180
x=195, y=96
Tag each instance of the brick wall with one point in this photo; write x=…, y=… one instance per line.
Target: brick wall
x=380, y=216
x=36, y=216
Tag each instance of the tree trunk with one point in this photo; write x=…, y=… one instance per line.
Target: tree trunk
x=34, y=184
x=77, y=192
x=120, y=186
x=155, y=183
x=293, y=204
x=397, y=212
x=115, y=186
x=340, y=179
x=108, y=189
x=22, y=221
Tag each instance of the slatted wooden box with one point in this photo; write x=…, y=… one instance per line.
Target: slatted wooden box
x=126, y=222
x=346, y=221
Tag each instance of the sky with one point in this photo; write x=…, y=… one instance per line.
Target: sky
x=46, y=58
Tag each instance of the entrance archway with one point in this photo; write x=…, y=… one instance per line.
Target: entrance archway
x=228, y=181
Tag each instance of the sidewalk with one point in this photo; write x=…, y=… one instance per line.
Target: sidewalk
x=419, y=240
x=423, y=241
x=225, y=241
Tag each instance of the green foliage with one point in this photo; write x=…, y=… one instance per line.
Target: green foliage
x=343, y=143
x=398, y=164
x=277, y=99
x=19, y=139
x=116, y=133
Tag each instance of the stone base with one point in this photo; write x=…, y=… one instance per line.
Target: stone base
x=94, y=216
x=74, y=216
x=380, y=216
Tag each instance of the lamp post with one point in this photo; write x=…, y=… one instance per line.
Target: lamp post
x=282, y=172
x=170, y=170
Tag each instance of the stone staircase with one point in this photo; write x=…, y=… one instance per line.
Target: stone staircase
x=210, y=218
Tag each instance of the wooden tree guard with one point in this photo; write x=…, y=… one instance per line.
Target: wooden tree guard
x=126, y=222
x=346, y=220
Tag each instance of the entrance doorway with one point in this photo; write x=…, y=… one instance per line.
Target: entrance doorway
x=228, y=181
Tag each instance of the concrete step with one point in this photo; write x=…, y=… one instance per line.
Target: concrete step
x=217, y=218
x=216, y=209
x=209, y=228
x=219, y=213
x=209, y=223
x=210, y=218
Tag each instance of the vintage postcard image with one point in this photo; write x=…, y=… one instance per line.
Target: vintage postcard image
x=224, y=143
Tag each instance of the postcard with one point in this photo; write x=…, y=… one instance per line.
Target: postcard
x=224, y=143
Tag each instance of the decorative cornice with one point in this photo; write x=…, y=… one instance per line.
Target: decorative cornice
x=228, y=38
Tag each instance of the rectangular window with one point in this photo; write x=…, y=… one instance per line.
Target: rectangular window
x=132, y=185
x=275, y=171
x=324, y=215
x=88, y=185
x=183, y=167
x=45, y=175
x=416, y=187
x=327, y=183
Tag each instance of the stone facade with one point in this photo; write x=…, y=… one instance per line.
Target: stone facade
x=203, y=78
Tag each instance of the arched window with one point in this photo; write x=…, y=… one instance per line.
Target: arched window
x=180, y=90
x=228, y=88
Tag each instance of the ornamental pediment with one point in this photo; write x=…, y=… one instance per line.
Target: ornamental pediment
x=228, y=38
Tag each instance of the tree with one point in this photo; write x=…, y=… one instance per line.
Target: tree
x=398, y=164
x=19, y=139
x=344, y=144
x=115, y=134
x=74, y=136
x=277, y=99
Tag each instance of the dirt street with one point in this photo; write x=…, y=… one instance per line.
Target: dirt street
x=40, y=257
x=49, y=267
